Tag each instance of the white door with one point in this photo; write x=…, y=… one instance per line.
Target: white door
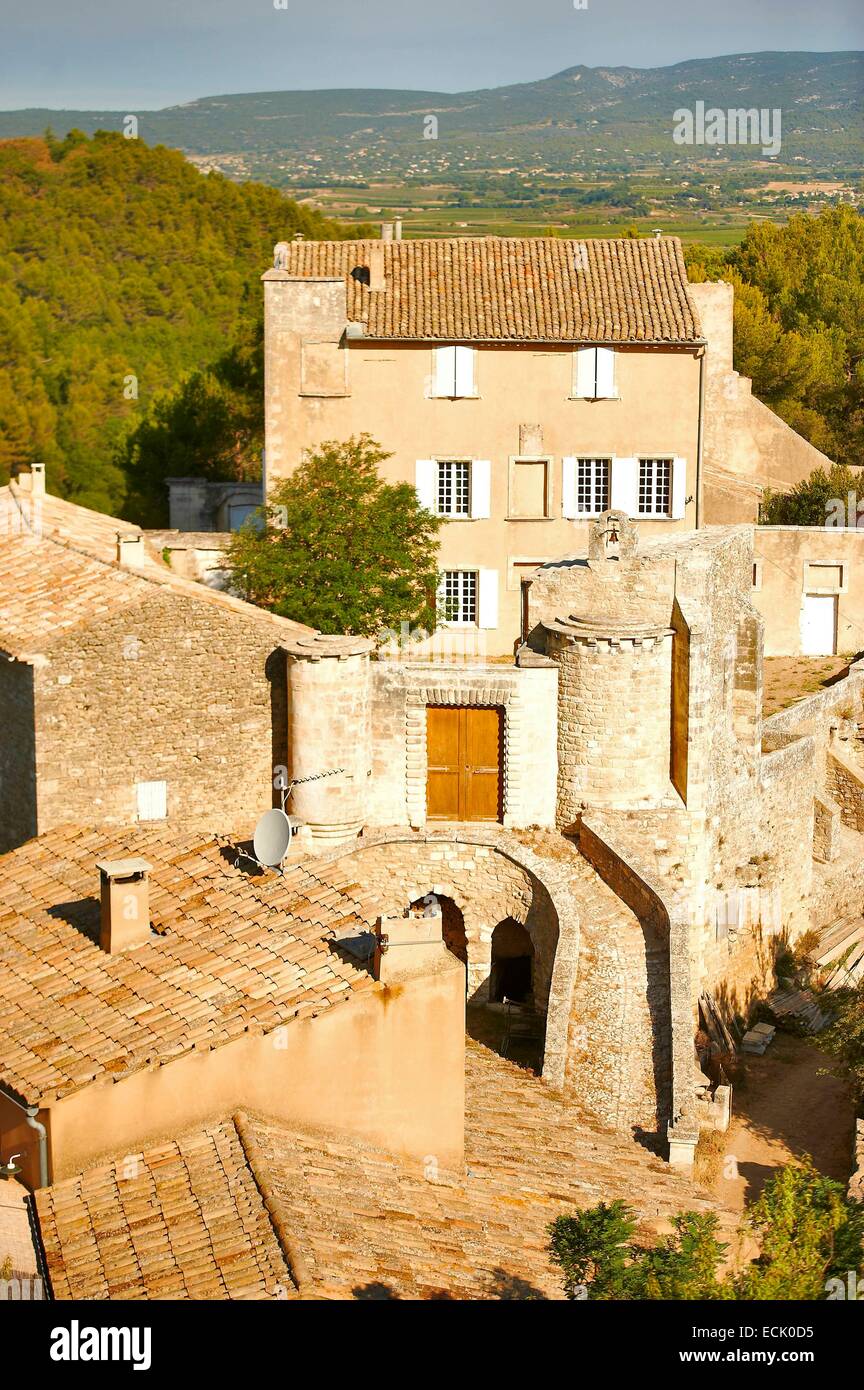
x=818, y=625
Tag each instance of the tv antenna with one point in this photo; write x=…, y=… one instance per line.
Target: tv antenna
x=276, y=829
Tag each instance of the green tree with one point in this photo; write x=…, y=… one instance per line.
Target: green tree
x=339, y=548
x=121, y=262
x=807, y=1229
x=596, y=1252
x=813, y=501
x=808, y=1232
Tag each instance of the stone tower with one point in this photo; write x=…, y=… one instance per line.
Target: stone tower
x=614, y=654
x=329, y=731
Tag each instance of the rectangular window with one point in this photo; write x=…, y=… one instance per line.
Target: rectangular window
x=655, y=487
x=592, y=485
x=458, y=596
x=453, y=491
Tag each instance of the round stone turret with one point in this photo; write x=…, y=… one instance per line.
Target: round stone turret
x=329, y=728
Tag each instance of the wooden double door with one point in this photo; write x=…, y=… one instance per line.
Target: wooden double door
x=464, y=762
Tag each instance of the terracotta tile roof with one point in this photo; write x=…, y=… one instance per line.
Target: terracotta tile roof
x=517, y=289
x=237, y=1208
x=54, y=517
x=232, y=953
x=62, y=574
x=369, y=1225
x=185, y=1220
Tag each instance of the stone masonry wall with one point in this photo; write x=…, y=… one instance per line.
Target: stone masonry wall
x=606, y=760
x=845, y=785
x=173, y=689
x=401, y=692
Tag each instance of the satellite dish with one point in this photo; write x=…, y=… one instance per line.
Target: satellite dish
x=272, y=838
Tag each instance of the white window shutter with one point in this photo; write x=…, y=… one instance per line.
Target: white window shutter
x=464, y=371
x=487, y=598
x=679, y=489
x=624, y=489
x=481, y=488
x=606, y=389
x=585, y=373
x=152, y=798
x=426, y=481
x=445, y=370
x=568, y=488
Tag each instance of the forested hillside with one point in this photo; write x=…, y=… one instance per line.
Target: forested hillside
x=122, y=269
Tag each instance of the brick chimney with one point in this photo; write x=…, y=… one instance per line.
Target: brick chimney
x=125, y=904
x=130, y=550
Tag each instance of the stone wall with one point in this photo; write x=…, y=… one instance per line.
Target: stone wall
x=627, y=762
x=742, y=436
x=845, y=785
x=401, y=692
x=792, y=561
x=171, y=689
x=669, y=991
x=18, y=810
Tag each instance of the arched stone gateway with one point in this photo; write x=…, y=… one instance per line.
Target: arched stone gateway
x=609, y=1033
x=489, y=877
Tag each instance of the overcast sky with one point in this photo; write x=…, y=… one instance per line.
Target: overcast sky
x=134, y=54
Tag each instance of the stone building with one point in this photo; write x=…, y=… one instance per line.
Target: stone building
x=524, y=386
x=604, y=832
x=126, y=692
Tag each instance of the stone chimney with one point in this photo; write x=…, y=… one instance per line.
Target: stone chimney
x=397, y=229
x=130, y=550
x=34, y=481
x=386, y=231
x=409, y=946
x=125, y=904
x=376, y=267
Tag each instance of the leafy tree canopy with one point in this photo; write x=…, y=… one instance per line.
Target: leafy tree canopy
x=807, y=1230
x=124, y=272
x=822, y=499
x=339, y=548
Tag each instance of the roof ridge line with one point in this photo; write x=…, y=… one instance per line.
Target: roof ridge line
x=296, y=1261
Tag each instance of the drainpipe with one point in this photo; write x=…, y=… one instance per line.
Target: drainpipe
x=30, y=1113
x=699, y=435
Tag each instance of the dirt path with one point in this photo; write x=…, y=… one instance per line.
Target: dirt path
x=784, y=1108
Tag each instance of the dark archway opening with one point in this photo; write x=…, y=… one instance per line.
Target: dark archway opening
x=512, y=973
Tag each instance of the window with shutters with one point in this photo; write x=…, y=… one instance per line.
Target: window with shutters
x=655, y=487
x=592, y=485
x=453, y=491
x=594, y=374
x=457, y=596
x=152, y=799
x=454, y=372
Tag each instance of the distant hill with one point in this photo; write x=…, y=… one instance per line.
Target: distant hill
x=594, y=119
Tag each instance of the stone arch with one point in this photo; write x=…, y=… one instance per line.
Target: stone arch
x=490, y=876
